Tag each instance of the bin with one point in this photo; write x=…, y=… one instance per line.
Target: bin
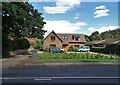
x=34, y=53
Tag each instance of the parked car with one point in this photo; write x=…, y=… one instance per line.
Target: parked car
x=41, y=48
x=84, y=49
x=55, y=49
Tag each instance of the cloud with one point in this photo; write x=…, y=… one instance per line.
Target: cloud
x=100, y=7
x=103, y=29
x=101, y=11
x=54, y=10
x=62, y=26
x=61, y=6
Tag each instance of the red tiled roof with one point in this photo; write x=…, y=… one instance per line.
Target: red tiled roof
x=32, y=40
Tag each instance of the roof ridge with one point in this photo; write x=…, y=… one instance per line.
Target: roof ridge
x=69, y=33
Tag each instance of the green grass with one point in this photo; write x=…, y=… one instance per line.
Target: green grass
x=74, y=60
x=75, y=57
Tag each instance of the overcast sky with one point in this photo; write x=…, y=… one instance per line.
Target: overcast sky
x=76, y=16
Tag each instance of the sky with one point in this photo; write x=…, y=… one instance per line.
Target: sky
x=77, y=16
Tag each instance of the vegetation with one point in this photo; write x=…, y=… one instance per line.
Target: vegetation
x=104, y=35
x=37, y=44
x=74, y=60
x=46, y=50
x=72, y=48
x=73, y=56
x=109, y=49
x=81, y=57
x=19, y=44
x=20, y=19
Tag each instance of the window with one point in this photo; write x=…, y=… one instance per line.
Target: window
x=52, y=37
x=77, y=46
x=65, y=37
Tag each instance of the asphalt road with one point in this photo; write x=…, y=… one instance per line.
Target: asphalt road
x=61, y=74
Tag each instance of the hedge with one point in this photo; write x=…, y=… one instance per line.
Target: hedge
x=109, y=49
x=18, y=44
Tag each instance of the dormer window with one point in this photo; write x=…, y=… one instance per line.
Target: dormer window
x=75, y=37
x=65, y=37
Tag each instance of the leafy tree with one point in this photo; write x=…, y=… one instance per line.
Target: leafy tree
x=95, y=36
x=20, y=18
x=104, y=35
x=87, y=38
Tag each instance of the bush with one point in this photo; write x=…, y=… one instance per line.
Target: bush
x=46, y=50
x=37, y=44
x=18, y=44
x=24, y=43
x=71, y=48
x=109, y=49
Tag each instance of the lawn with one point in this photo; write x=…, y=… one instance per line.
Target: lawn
x=75, y=57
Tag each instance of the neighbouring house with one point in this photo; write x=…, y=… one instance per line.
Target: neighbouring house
x=32, y=40
x=103, y=43
x=64, y=40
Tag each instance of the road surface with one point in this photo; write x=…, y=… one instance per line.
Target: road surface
x=61, y=74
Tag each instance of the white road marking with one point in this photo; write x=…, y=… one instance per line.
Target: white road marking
x=50, y=78
x=42, y=79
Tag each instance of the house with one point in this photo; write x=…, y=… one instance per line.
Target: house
x=32, y=40
x=64, y=40
x=103, y=43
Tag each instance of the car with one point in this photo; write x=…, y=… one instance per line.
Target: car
x=84, y=49
x=40, y=48
x=55, y=49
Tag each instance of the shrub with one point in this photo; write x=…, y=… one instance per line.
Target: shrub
x=46, y=50
x=19, y=44
x=71, y=48
x=37, y=44
x=24, y=43
x=109, y=49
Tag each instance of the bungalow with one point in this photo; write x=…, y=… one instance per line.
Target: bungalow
x=103, y=43
x=64, y=40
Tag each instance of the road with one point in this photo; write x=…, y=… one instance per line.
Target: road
x=61, y=74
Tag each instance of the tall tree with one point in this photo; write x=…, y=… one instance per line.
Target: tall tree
x=95, y=36
x=20, y=18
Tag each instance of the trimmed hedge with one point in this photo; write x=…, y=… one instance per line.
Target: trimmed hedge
x=109, y=49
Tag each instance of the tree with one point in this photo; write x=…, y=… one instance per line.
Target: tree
x=95, y=36
x=104, y=35
x=87, y=38
x=20, y=18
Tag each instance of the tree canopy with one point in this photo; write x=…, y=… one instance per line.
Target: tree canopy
x=20, y=19
x=104, y=35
